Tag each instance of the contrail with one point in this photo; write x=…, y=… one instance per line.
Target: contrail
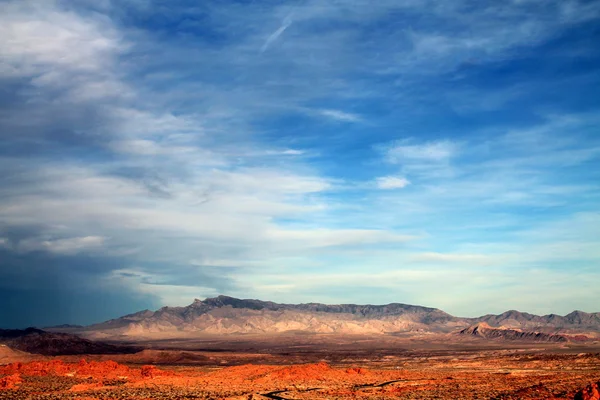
x=273, y=37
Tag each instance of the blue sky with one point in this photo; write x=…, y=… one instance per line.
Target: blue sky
x=435, y=153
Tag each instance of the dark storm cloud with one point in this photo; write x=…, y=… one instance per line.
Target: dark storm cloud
x=41, y=289
x=55, y=305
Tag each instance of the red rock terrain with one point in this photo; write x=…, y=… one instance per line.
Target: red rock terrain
x=85, y=369
x=10, y=381
x=483, y=376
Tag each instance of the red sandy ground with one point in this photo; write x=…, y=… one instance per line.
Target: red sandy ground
x=93, y=380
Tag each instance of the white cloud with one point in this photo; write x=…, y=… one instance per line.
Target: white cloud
x=149, y=147
x=392, y=182
x=433, y=257
x=334, y=237
x=292, y=152
x=404, y=151
x=59, y=49
x=340, y=115
x=269, y=180
x=36, y=35
x=213, y=212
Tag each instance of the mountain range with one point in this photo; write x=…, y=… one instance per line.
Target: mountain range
x=229, y=315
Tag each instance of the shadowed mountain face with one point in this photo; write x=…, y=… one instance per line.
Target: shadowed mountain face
x=228, y=315
x=37, y=341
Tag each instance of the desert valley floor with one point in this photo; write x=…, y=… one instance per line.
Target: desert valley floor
x=310, y=367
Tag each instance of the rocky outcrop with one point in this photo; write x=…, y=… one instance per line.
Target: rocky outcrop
x=591, y=392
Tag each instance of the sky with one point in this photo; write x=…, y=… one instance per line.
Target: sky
x=438, y=153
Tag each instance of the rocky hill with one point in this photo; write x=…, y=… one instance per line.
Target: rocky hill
x=484, y=331
x=8, y=355
x=228, y=315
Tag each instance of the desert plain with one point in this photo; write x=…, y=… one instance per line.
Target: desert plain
x=300, y=366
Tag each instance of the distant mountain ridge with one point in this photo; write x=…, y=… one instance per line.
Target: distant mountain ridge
x=229, y=315
x=224, y=314
x=514, y=318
